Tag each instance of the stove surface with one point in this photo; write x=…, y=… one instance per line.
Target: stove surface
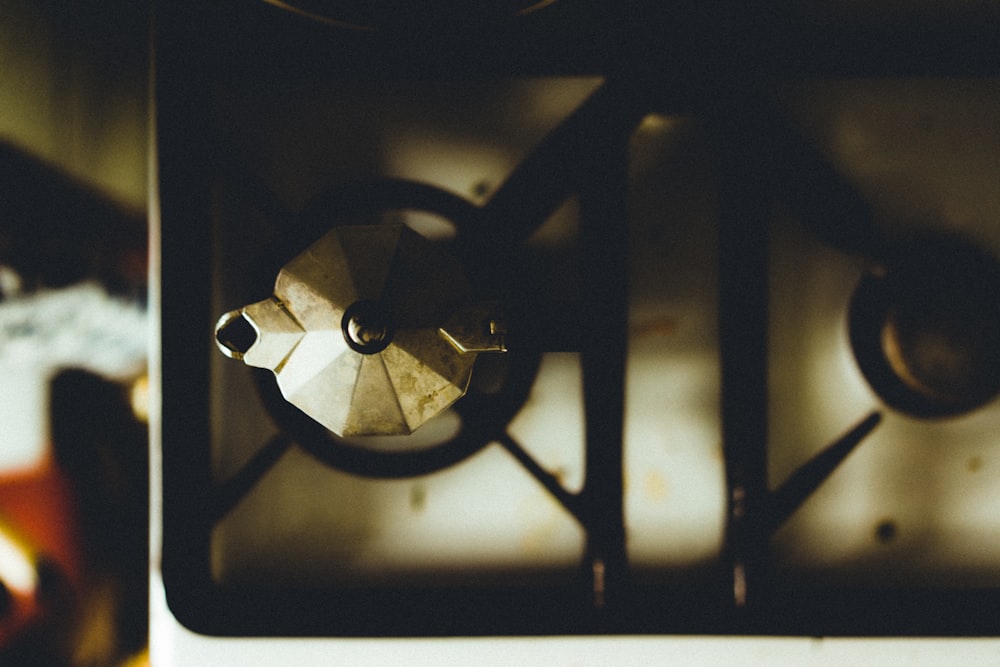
x=697, y=427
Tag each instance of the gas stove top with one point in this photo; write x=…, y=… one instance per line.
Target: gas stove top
x=745, y=285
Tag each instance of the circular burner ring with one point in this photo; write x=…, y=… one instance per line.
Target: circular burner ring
x=925, y=327
x=490, y=403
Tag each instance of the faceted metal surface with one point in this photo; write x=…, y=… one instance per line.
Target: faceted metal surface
x=353, y=331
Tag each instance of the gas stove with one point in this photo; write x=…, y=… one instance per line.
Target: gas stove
x=740, y=267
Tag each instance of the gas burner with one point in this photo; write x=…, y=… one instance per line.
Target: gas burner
x=393, y=324
x=925, y=326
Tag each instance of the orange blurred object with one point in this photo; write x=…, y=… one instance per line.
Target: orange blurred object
x=40, y=547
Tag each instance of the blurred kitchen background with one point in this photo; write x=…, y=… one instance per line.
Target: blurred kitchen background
x=73, y=440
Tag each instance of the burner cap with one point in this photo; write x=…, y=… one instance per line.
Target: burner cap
x=925, y=327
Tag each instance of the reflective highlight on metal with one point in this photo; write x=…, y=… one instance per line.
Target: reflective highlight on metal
x=370, y=331
x=479, y=327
